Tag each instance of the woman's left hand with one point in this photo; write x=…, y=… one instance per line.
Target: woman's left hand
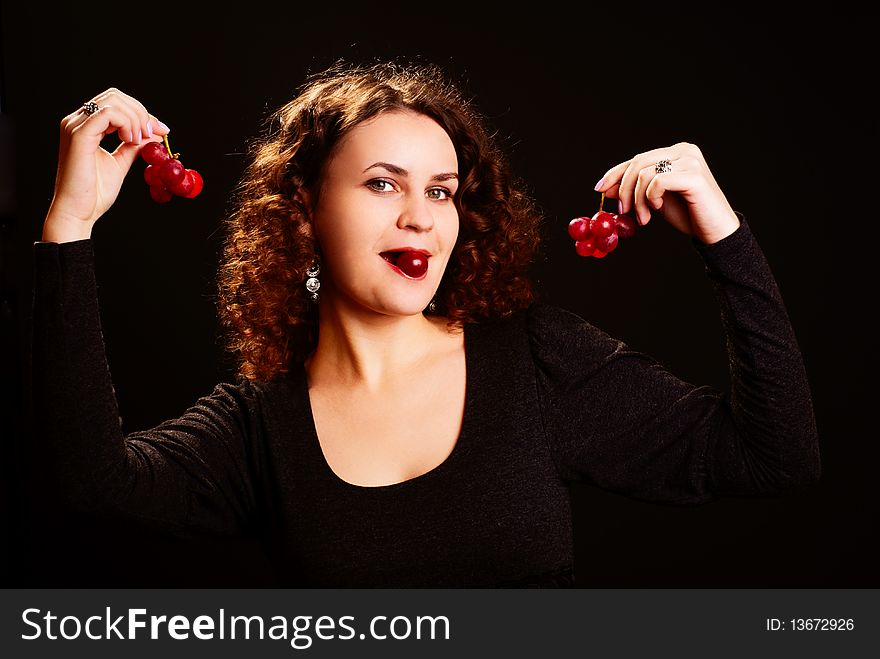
x=687, y=195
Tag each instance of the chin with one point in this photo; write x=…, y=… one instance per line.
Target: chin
x=402, y=301
x=405, y=309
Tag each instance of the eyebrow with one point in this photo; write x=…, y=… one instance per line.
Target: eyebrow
x=400, y=171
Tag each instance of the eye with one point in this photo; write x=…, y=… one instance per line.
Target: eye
x=439, y=194
x=380, y=185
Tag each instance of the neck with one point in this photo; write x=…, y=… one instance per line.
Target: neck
x=369, y=350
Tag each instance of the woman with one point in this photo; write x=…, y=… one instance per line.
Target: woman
x=396, y=426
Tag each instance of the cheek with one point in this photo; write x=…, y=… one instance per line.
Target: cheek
x=346, y=241
x=334, y=225
x=452, y=226
x=339, y=246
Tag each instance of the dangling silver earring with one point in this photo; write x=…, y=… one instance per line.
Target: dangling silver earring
x=312, y=281
x=433, y=306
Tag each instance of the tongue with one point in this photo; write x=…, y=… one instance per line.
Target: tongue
x=413, y=264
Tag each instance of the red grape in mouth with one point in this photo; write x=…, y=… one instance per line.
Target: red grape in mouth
x=412, y=264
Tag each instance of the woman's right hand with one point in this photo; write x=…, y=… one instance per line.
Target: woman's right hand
x=89, y=177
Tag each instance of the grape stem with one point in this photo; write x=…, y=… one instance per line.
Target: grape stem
x=177, y=155
x=601, y=200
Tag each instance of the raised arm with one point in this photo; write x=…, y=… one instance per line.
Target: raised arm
x=190, y=472
x=620, y=420
x=89, y=177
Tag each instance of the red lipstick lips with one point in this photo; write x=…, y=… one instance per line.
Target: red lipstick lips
x=408, y=261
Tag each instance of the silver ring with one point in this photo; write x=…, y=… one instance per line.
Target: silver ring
x=90, y=108
x=663, y=166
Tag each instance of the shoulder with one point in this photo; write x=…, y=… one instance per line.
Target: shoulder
x=235, y=397
x=543, y=322
x=542, y=314
x=249, y=396
x=247, y=406
x=556, y=337
x=556, y=327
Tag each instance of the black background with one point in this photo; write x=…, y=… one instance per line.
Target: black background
x=778, y=104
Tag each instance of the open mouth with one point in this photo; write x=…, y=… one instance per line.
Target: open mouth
x=409, y=263
x=391, y=257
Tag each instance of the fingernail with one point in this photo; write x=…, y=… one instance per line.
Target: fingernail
x=149, y=129
x=163, y=127
x=620, y=206
x=600, y=185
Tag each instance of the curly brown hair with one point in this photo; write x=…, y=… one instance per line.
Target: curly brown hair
x=268, y=321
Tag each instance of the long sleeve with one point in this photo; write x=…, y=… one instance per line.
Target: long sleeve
x=616, y=418
x=189, y=473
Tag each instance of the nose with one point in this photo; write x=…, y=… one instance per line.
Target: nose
x=416, y=214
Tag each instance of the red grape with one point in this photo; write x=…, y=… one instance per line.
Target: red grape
x=154, y=153
x=198, y=183
x=599, y=254
x=171, y=172
x=184, y=186
x=413, y=264
x=160, y=194
x=602, y=224
x=151, y=175
x=585, y=247
x=165, y=174
x=607, y=243
x=626, y=226
x=579, y=228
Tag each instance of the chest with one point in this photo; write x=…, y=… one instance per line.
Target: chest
x=490, y=511
x=380, y=438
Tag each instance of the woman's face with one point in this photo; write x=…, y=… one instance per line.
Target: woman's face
x=388, y=186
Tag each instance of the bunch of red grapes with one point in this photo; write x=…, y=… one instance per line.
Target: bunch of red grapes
x=599, y=235
x=166, y=175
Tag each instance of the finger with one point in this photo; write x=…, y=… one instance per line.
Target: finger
x=630, y=177
x=641, y=206
x=678, y=180
x=125, y=154
x=628, y=181
x=87, y=133
x=131, y=133
x=610, y=183
x=646, y=197
x=616, y=182
x=622, y=177
x=114, y=99
x=611, y=178
x=673, y=206
x=147, y=124
x=74, y=119
x=143, y=124
x=612, y=192
x=156, y=127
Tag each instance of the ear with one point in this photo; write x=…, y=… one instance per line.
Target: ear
x=304, y=198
